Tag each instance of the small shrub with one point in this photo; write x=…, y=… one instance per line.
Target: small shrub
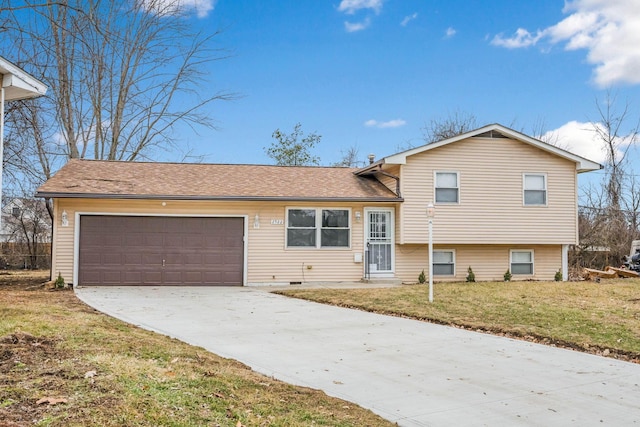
x=421, y=278
x=59, y=283
x=471, y=277
x=558, y=276
x=507, y=276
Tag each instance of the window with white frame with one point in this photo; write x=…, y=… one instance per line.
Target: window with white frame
x=447, y=187
x=444, y=263
x=318, y=228
x=521, y=262
x=535, y=189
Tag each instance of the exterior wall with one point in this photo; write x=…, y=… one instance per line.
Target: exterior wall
x=489, y=262
x=490, y=208
x=268, y=260
x=387, y=181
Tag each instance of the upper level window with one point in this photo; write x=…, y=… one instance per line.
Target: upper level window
x=447, y=187
x=522, y=262
x=535, y=189
x=15, y=211
x=312, y=228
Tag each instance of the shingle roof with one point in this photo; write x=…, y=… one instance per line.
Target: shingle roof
x=109, y=179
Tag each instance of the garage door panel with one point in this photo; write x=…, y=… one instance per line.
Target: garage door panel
x=112, y=277
x=151, y=277
x=134, y=239
x=132, y=259
x=193, y=259
x=110, y=258
x=132, y=277
x=153, y=240
x=152, y=259
x=131, y=250
x=93, y=258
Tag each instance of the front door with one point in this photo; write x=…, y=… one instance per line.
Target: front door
x=379, y=244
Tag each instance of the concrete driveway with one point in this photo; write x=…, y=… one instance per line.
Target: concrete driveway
x=409, y=372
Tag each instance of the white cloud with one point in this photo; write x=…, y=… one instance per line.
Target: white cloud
x=409, y=18
x=177, y=7
x=608, y=29
x=384, y=125
x=521, y=38
x=582, y=139
x=450, y=32
x=356, y=26
x=352, y=6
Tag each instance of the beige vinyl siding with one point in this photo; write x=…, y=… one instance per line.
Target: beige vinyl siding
x=490, y=208
x=269, y=261
x=489, y=262
x=391, y=184
x=387, y=181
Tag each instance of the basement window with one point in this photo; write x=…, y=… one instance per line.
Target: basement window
x=521, y=262
x=444, y=263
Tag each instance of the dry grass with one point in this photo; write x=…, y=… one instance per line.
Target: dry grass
x=602, y=318
x=99, y=371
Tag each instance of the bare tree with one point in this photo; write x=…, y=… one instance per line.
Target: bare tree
x=122, y=75
x=27, y=231
x=610, y=216
x=615, y=143
x=455, y=123
x=350, y=158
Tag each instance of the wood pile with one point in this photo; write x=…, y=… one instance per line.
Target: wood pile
x=608, y=273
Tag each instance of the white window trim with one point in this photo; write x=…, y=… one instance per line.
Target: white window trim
x=454, y=262
x=318, y=228
x=546, y=191
x=533, y=261
x=435, y=187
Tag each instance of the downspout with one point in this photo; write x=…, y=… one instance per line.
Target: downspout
x=565, y=263
x=397, y=178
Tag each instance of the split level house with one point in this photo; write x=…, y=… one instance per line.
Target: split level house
x=503, y=201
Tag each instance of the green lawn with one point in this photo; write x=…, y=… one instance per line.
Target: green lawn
x=596, y=317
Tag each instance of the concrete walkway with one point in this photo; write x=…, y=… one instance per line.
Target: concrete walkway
x=409, y=372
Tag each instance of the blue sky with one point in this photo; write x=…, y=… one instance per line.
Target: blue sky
x=372, y=73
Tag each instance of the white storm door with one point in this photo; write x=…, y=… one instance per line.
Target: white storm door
x=379, y=235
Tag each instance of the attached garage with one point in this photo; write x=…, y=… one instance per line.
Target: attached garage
x=160, y=250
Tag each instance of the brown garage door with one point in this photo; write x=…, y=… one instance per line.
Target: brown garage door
x=139, y=250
